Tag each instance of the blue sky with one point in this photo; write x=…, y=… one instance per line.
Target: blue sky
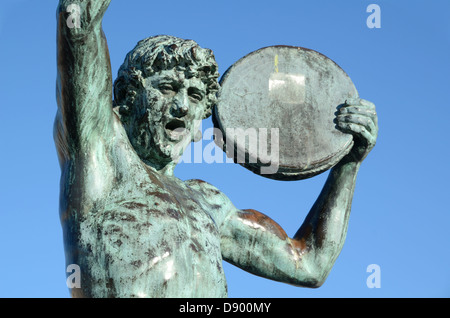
x=400, y=216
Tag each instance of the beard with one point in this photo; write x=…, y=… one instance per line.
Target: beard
x=154, y=145
x=157, y=136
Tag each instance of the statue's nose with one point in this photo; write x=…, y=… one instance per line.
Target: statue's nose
x=180, y=106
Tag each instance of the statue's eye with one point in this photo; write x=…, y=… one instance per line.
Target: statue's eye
x=166, y=87
x=195, y=94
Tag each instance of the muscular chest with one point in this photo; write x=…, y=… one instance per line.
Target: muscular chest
x=166, y=212
x=161, y=241
x=167, y=234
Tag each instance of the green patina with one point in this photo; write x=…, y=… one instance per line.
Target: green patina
x=135, y=229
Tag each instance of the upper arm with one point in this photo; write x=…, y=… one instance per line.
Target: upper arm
x=84, y=80
x=257, y=244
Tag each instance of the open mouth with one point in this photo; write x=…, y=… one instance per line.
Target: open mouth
x=176, y=128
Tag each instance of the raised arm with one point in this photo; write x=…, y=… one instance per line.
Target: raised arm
x=84, y=81
x=257, y=244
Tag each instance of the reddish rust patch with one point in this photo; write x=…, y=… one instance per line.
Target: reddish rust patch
x=299, y=241
x=264, y=221
x=153, y=177
x=193, y=247
x=173, y=213
x=214, y=191
x=160, y=195
x=299, y=245
x=133, y=205
x=198, y=181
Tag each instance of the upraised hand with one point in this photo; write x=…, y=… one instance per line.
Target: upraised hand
x=359, y=118
x=82, y=15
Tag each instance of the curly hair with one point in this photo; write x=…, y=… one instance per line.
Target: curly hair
x=165, y=52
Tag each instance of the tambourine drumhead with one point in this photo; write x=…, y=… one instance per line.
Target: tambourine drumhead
x=276, y=109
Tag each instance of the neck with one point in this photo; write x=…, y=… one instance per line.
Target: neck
x=166, y=169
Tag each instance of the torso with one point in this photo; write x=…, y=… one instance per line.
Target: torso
x=136, y=233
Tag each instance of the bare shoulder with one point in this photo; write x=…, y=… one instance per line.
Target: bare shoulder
x=220, y=204
x=212, y=194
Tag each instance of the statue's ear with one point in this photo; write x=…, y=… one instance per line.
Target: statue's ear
x=126, y=86
x=212, y=98
x=207, y=113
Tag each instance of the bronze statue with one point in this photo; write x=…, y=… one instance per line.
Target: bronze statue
x=135, y=229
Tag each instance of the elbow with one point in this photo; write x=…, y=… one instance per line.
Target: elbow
x=312, y=275
x=313, y=281
x=313, y=267
x=316, y=282
x=318, y=273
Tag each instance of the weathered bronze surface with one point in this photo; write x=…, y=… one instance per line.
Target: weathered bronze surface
x=132, y=227
x=295, y=91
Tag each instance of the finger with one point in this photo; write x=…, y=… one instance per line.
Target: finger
x=352, y=101
x=367, y=103
x=357, y=130
x=356, y=101
x=357, y=110
x=371, y=106
x=368, y=106
x=347, y=103
x=358, y=119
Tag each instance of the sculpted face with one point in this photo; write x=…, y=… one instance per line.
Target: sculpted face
x=166, y=115
x=164, y=88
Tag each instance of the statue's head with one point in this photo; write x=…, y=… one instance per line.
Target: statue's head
x=164, y=88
